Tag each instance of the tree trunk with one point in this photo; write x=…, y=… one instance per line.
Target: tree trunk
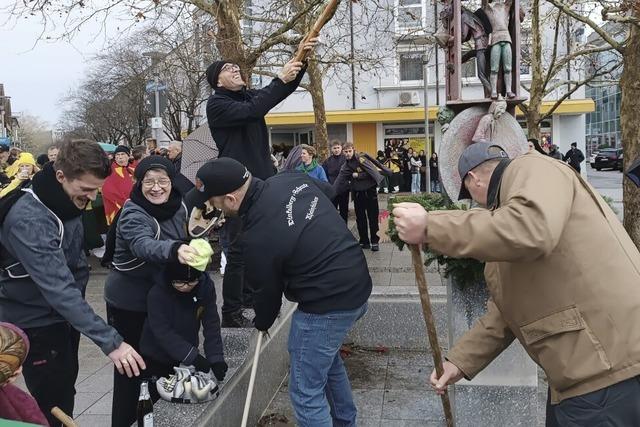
x=536, y=91
x=229, y=37
x=630, y=105
x=320, y=133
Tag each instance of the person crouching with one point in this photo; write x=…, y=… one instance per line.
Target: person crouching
x=182, y=299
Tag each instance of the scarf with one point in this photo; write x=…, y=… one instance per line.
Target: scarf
x=161, y=212
x=493, y=196
x=306, y=169
x=51, y=193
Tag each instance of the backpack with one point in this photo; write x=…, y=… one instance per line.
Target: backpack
x=10, y=199
x=15, y=269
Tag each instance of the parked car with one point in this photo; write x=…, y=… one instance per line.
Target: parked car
x=610, y=158
x=592, y=158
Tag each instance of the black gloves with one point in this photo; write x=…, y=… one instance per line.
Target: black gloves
x=201, y=363
x=219, y=369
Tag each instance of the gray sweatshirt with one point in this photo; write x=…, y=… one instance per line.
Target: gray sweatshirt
x=143, y=246
x=49, y=275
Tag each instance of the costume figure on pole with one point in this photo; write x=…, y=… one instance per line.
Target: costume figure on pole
x=498, y=13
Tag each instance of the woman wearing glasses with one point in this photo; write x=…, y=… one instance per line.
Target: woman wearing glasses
x=150, y=233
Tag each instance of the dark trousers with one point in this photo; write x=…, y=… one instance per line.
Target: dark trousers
x=341, y=202
x=366, y=207
x=51, y=368
x=615, y=406
x=235, y=290
x=125, y=390
x=153, y=372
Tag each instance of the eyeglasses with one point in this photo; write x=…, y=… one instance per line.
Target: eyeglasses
x=162, y=182
x=230, y=67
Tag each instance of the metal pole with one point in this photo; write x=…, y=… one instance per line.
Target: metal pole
x=157, y=131
x=353, y=66
x=427, y=151
x=435, y=46
x=568, y=41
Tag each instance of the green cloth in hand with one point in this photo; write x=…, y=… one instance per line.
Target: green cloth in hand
x=200, y=261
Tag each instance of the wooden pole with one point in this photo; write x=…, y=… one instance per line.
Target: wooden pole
x=421, y=280
x=65, y=419
x=252, y=379
x=325, y=16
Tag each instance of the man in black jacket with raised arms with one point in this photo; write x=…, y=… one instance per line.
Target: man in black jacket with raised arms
x=236, y=120
x=296, y=244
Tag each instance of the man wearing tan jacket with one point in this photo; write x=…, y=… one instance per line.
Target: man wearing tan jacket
x=563, y=275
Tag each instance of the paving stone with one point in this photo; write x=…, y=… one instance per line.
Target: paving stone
x=413, y=358
x=381, y=278
x=408, y=377
x=366, y=372
x=85, y=400
x=94, y=420
x=411, y=423
x=102, y=406
x=368, y=422
x=96, y=383
x=369, y=403
x=91, y=366
x=411, y=405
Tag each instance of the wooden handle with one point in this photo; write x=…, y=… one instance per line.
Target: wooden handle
x=421, y=280
x=323, y=18
x=64, y=418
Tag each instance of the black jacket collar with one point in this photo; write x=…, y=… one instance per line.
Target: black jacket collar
x=253, y=192
x=233, y=94
x=493, y=196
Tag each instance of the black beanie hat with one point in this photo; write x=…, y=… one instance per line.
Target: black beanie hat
x=213, y=71
x=154, y=162
x=176, y=272
x=122, y=149
x=42, y=159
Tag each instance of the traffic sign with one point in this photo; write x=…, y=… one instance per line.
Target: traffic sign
x=151, y=86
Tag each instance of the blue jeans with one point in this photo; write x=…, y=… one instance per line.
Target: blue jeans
x=415, y=182
x=319, y=388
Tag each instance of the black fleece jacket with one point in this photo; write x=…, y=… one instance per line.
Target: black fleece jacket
x=332, y=166
x=236, y=121
x=297, y=244
x=170, y=333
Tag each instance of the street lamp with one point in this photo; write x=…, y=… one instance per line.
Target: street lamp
x=427, y=145
x=3, y=129
x=156, y=121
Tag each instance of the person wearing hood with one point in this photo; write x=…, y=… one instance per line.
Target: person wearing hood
x=235, y=116
x=118, y=185
x=310, y=165
x=20, y=171
x=554, y=152
x=150, y=232
x=332, y=167
x=45, y=275
x=361, y=174
x=178, y=304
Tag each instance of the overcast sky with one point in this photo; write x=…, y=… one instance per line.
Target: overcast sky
x=37, y=74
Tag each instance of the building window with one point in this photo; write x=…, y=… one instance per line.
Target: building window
x=409, y=14
x=410, y=66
